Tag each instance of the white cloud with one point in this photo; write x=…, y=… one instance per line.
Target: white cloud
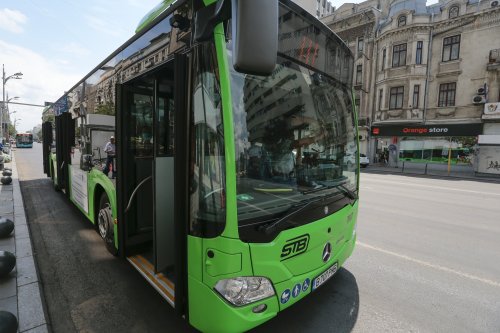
x=43, y=80
x=74, y=48
x=103, y=26
x=12, y=20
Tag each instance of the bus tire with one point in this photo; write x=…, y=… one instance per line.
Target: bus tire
x=105, y=226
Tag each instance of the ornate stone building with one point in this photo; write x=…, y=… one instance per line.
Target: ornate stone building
x=424, y=76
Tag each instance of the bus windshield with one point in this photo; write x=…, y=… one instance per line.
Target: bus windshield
x=25, y=138
x=295, y=133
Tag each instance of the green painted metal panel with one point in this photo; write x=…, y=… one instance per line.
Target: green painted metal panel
x=231, y=229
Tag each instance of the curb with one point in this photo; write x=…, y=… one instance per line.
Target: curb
x=382, y=171
x=30, y=307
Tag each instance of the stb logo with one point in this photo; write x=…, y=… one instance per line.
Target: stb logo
x=294, y=247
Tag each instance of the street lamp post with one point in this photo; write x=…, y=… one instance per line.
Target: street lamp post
x=16, y=76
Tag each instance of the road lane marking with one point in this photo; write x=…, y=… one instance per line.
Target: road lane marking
x=436, y=187
x=428, y=264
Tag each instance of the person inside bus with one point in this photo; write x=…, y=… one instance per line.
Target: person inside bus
x=110, y=150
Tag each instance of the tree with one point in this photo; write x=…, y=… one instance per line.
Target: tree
x=12, y=130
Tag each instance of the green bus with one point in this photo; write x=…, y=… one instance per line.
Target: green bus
x=231, y=122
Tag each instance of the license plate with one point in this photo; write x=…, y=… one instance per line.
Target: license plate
x=324, y=276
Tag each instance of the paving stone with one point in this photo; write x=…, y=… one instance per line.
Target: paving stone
x=26, y=271
x=30, y=307
x=23, y=248
x=19, y=218
x=21, y=231
x=8, y=286
x=39, y=329
x=9, y=304
x=8, y=244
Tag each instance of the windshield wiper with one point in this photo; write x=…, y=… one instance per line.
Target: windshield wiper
x=342, y=188
x=270, y=228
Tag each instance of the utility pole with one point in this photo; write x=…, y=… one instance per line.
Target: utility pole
x=16, y=76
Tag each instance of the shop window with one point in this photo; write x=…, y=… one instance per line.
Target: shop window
x=451, y=48
x=447, y=92
x=396, y=98
x=399, y=55
x=418, y=56
x=402, y=21
x=454, y=12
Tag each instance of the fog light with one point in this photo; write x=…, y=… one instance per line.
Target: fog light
x=259, y=308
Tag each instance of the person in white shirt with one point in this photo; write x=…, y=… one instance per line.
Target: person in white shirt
x=110, y=150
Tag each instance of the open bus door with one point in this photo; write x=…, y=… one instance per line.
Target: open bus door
x=65, y=129
x=151, y=169
x=46, y=146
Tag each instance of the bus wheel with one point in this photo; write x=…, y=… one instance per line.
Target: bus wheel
x=105, y=224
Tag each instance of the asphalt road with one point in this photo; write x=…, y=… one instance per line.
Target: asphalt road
x=427, y=260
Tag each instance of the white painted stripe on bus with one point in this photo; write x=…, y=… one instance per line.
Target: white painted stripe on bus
x=431, y=186
x=428, y=264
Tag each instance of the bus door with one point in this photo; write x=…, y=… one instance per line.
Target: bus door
x=65, y=136
x=146, y=177
x=47, y=146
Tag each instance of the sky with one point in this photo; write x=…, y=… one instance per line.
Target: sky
x=55, y=43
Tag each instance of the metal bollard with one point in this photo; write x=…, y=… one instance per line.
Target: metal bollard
x=403, y=170
x=425, y=172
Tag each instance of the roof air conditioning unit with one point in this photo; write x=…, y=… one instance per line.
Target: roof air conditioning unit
x=481, y=91
x=478, y=99
x=494, y=3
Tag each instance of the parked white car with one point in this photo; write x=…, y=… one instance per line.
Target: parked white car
x=364, y=161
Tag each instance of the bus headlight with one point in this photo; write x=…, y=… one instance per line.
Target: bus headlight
x=245, y=290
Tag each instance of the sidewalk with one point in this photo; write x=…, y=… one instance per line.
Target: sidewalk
x=20, y=290
x=430, y=170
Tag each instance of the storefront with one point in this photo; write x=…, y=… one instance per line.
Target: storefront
x=429, y=144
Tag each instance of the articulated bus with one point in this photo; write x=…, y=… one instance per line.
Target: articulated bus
x=231, y=122
x=24, y=140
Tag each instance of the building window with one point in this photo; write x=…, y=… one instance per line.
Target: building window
x=454, y=12
x=451, y=48
x=416, y=95
x=418, y=57
x=447, y=93
x=359, y=74
x=396, y=99
x=399, y=55
x=402, y=21
x=360, y=45
x=384, y=57
x=380, y=94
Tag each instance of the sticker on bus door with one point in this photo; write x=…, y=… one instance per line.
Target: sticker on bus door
x=79, y=193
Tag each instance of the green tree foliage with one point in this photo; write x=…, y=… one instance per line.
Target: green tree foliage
x=107, y=108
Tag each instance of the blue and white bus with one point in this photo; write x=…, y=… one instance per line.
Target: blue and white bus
x=24, y=140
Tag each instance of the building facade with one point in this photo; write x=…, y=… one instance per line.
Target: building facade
x=427, y=79
x=318, y=8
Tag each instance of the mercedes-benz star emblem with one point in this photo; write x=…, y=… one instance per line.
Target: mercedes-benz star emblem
x=327, y=252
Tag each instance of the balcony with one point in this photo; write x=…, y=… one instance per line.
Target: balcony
x=491, y=111
x=399, y=115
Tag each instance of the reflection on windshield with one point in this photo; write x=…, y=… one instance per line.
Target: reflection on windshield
x=294, y=137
